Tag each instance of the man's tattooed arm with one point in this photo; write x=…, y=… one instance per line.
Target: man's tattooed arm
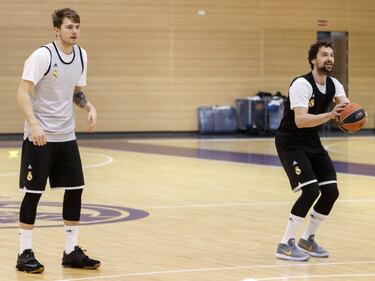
x=80, y=99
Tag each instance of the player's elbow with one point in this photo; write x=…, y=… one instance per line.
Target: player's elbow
x=299, y=123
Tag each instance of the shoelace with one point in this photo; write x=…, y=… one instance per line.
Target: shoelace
x=315, y=245
x=82, y=251
x=79, y=249
x=30, y=256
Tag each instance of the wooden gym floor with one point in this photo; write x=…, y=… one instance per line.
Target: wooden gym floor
x=194, y=209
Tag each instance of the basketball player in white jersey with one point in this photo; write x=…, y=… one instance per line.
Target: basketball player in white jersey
x=52, y=80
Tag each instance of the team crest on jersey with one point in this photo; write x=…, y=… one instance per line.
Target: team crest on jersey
x=54, y=74
x=312, y=100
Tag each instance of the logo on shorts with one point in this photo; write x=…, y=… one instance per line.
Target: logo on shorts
x=49, y=214
x=29, y=176
x=297, y=170
x=54, y=73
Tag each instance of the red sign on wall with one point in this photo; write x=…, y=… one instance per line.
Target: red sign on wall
x=322, y=22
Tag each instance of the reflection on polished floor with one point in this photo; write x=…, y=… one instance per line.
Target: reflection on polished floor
x=194, y=209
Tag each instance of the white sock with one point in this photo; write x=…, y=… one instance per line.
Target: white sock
x=71, y=238
x=294, y=223
x=315, y=221
x=26, y=237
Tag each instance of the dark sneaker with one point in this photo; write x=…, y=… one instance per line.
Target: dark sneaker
x=312, y=248
x=291, y=252
x=28, y=263
x=78, y=259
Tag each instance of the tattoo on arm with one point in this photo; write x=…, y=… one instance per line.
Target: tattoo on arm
x=80, y=99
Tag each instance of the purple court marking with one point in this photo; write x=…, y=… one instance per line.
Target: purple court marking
x=90, y=214
x=238, y=157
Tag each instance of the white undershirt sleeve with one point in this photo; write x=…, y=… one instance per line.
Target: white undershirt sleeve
x=300, y=93
x=340, y=91
x=36, y=65
x=82, y=79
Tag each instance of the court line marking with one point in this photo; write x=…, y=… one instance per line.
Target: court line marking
x=271, y=139
x=333, y=149
x=108, y=160
x=235, y=268
x=200, y=140
x=248, y=204
x=317, y=276
x=235, y=163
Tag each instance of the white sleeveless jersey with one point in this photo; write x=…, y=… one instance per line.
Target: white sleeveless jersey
x=53, y=99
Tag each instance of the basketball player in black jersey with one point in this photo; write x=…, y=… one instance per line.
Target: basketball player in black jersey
x=305, y=161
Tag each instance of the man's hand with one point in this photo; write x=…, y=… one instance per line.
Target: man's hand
x=38, y=137
x=337, y=109
x=79, y=98
x=25, y=89
x=91, y=117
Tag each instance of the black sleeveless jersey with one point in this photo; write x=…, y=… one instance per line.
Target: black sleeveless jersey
x=318, y=103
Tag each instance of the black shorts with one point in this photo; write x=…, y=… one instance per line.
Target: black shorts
x=305, y=164
x=58, y=161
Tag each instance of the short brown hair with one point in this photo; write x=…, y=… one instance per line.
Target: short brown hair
x=59, y=15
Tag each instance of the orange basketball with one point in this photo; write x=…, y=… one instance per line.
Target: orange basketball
x=352, y=118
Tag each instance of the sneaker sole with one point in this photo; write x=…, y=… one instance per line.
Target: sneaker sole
x=289, y=258
x=87, y=267
x=315, y=255
x=39, y=270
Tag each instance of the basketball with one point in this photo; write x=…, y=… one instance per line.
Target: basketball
x=352, y=118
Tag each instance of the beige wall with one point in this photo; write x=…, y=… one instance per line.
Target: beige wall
x=153, y=62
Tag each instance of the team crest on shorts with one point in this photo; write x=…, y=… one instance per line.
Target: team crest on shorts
x=54, y=73
x=297, y=170
x=29, y=176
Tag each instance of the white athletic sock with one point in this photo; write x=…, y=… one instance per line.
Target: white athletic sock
x=26, y=237
x=71, y=238
x=315, y=221
x=294, y=223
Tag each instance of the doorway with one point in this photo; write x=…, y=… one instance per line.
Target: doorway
x=340, y=45
x=340, y=71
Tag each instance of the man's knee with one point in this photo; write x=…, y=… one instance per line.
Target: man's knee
x=28, y=207
x=330, y=192
x=311, y=192
x=303, y=204
x=72, y=204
